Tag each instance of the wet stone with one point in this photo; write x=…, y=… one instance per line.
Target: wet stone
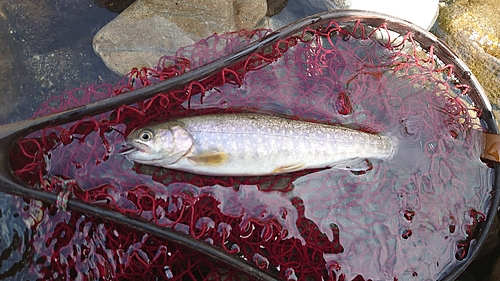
x=150, y=29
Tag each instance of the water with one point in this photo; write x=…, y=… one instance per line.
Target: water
x=46, y=49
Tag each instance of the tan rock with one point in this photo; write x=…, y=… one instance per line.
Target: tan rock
x=150, y=29
x=471, y=28
x=245, y=17
x=477, y=20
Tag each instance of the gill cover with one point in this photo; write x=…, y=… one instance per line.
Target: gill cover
x=158, y=146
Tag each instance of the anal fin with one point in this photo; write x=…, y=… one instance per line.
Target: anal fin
x=289, y=168
x=357, y=166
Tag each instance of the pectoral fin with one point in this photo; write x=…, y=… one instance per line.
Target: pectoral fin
x=289, y=168
x=209, y=159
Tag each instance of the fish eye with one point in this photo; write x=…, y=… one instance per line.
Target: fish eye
x=146, y=135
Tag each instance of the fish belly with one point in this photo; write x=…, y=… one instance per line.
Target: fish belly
x=254, y=144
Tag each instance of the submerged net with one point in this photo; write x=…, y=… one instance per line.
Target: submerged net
x=410, y=218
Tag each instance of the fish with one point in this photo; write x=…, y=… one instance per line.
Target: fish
x=252, y=144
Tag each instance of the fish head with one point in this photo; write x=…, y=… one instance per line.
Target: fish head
x=158, y=145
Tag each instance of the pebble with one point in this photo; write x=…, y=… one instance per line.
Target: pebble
x=150, y=29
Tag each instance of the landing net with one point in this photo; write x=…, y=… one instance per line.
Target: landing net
x=410, y=218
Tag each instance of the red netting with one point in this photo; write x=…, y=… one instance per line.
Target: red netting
x=411, y=217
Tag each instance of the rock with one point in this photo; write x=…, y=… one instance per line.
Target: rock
x=422, y=13
x=150, y=29
x=248, y=13
x=477, y=20
x=275, y=6
x=495, y=272
x=115, y=6
x=492, y=239
x=472, y=30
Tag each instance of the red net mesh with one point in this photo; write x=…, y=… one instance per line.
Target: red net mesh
x=411, y=217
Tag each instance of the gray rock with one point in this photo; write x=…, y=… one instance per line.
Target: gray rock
x=150, y=29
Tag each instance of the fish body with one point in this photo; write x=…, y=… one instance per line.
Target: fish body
x=251, y=144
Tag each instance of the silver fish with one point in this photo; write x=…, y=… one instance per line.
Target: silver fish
x=251, y=144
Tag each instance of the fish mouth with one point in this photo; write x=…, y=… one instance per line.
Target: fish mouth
x=127, y=150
